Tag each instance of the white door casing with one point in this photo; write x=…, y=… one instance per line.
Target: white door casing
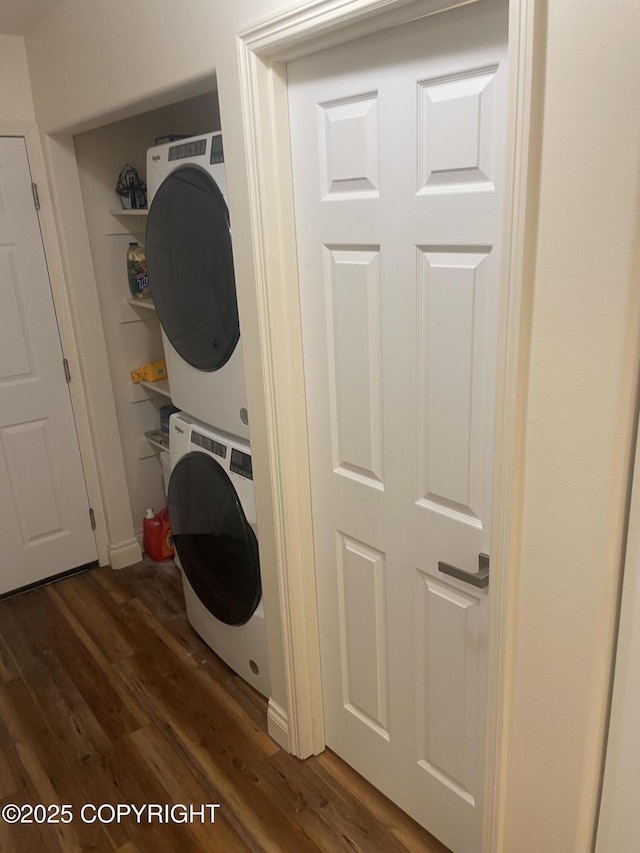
x=397, y=148
x=44, y=510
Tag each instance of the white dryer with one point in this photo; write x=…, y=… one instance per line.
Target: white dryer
x=213, y=522
x=190, y=267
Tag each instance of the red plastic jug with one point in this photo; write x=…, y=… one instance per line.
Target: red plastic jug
x=156, y=535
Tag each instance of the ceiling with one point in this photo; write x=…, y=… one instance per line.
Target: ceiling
x=17, y=17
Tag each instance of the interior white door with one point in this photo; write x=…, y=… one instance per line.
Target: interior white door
x=397, y=145
x=45, y=526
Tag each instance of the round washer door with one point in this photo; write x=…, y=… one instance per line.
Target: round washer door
x=216, y=545
x=190, y=268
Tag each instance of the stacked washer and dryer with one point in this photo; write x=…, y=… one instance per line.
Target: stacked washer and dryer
x=210, y=492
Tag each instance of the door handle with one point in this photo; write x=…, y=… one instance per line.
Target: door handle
x=479, y=578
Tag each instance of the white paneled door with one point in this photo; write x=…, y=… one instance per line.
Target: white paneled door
x=45, y=527
x=397, y=145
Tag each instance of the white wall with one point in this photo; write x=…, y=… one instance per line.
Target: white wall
x=87, y=59
x=16, y=103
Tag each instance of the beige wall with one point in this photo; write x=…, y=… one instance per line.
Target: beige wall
x=88, y=60
x=100, y=59
x=16, y=103
x=582, y=395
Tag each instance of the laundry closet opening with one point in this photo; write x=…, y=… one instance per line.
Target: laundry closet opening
x=131, y=328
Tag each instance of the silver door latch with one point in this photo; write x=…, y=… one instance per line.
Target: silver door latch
x=479, y=578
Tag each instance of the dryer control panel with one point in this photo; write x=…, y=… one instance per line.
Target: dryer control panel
x=193, y=148
x=209, y=444
x=241, y=464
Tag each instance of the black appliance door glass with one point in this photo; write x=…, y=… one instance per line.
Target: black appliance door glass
x=216, y=545
x=190, y=268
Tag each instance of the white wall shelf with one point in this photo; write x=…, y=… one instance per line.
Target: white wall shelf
x=122, y=212
x=122, y=223
x=160, y=386
x=158, y=439
x=142, y=303
x=129, y=312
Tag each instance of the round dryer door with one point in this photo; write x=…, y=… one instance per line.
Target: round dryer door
x=217, y=548
x=190, y=268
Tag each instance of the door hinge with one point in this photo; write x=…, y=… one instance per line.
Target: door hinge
x=36, y=197
x=67, y=372
x=92, y=516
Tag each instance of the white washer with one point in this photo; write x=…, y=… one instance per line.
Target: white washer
x=213, y=522
x=190, y=267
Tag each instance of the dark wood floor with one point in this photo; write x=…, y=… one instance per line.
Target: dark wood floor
x=108, y=696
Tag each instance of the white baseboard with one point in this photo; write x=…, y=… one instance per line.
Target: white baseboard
x=278, y=725
x=123, y=554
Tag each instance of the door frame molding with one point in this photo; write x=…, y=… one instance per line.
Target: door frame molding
x=263, y=51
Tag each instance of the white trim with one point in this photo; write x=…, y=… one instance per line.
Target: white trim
x=325, y=23
x=519, y=218
x=262, y=52
x=278, y=725
x=266, y=129
x=123, y=554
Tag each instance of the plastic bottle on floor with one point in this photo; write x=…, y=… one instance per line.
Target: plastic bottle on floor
x=156, y=535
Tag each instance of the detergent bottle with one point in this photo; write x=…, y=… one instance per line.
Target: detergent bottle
x=156, y=535
x=137, y=271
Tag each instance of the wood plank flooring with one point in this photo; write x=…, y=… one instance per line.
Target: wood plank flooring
x=108, y=696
